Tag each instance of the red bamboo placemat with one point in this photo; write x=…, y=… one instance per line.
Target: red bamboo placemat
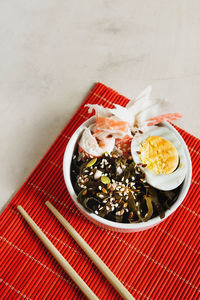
x=160, y=263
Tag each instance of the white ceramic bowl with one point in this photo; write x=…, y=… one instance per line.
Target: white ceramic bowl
x=106, y=224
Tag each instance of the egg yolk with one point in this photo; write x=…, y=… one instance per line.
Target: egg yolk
x=160, y=155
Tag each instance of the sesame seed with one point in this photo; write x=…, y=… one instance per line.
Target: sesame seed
x=120, y=212
x=127, y=181
x=84, y=192
x=96, y=212
x=107, y=208
x=143, y=180
x=101, y=196
x=97, y=174
x=119, y=170
x=104, y=191
x=100, y=187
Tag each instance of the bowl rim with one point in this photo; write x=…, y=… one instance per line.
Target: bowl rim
x=115, y=225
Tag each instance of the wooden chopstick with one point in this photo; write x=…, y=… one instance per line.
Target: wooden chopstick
x=93, y=256
x=58, y=256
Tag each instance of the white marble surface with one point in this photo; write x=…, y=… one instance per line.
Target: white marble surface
x=52, y=52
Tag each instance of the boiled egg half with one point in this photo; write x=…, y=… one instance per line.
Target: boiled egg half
x=160, y=155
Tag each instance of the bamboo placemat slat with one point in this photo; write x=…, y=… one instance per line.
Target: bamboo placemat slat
x=161, y=263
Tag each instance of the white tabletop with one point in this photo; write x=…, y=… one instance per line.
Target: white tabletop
x=52, y=52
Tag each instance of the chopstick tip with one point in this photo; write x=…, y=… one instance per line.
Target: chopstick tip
x=47, y=203
x=19, y=207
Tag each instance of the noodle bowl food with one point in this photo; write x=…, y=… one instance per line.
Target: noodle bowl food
x=128, y=166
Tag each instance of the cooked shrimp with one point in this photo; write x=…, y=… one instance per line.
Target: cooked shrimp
x=107, y=144
x=89, y=144
x=113, y=126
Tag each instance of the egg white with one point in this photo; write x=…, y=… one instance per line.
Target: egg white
x=164, y=182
